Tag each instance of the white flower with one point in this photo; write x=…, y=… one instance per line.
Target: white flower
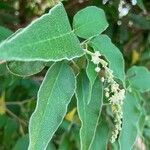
x=114, y=94
x=102, y=79
x=134, y=2
x=97, y=69
x=97, y=53
x=106, y=89
x=95, y=58
x=104, y=63
x=105, y=1
x=107, y=94
x=123, y=9
x=114, y=87
x=119, y=22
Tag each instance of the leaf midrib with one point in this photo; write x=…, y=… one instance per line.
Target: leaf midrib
x=39, y=129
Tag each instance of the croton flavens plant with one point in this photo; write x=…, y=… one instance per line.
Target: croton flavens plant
x=83, y=64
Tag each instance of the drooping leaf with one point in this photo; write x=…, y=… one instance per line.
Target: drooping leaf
x=4, y=33
x=92, y=75
x=103, y=44
x=48, y=38
x=89, y=22
x=88, y=113
x=139, y=78
x=25, y=68
x=102, y=136
x=131, y=114
x=54, y=96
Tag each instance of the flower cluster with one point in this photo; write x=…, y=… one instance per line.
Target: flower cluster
x=113, y=93
x=123, y=7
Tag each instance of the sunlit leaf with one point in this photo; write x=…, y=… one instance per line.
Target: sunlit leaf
x=47, y=38
x=94, y=22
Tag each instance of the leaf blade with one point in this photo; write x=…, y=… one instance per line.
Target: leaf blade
x=139, y=78
x=112, y=54
x=102, y=136
x=94, y=22
x=49, y=38
x=131, y=114
x=24, y=69
x=53, y=98
x=88, y=113
x=4, y=33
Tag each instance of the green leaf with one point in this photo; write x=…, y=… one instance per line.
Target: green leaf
x=131, y=114
x=90, y=70
x=3, y=120
x=10, y=129
x=146, y=55
x=3, y=69
x=25, y=68
x=65, y=143
x=92, y=75
x=141, y=122
x=54, y=96
x=102, y=136
x=139, y=78
x=140, y=21
x=89, y=22
x=140, y=3
x=48, y=38
x=103, y=44
x=4, y=33
x=88, y=113
x=22, y=143
x=51, y=146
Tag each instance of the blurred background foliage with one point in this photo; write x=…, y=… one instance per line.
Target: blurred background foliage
x=18, y=95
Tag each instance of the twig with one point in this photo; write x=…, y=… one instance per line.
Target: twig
x=19, y=102
x=75, y=64
x=106, y=104
x=16, y=117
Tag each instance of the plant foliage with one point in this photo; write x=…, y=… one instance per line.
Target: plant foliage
x=70, y=82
